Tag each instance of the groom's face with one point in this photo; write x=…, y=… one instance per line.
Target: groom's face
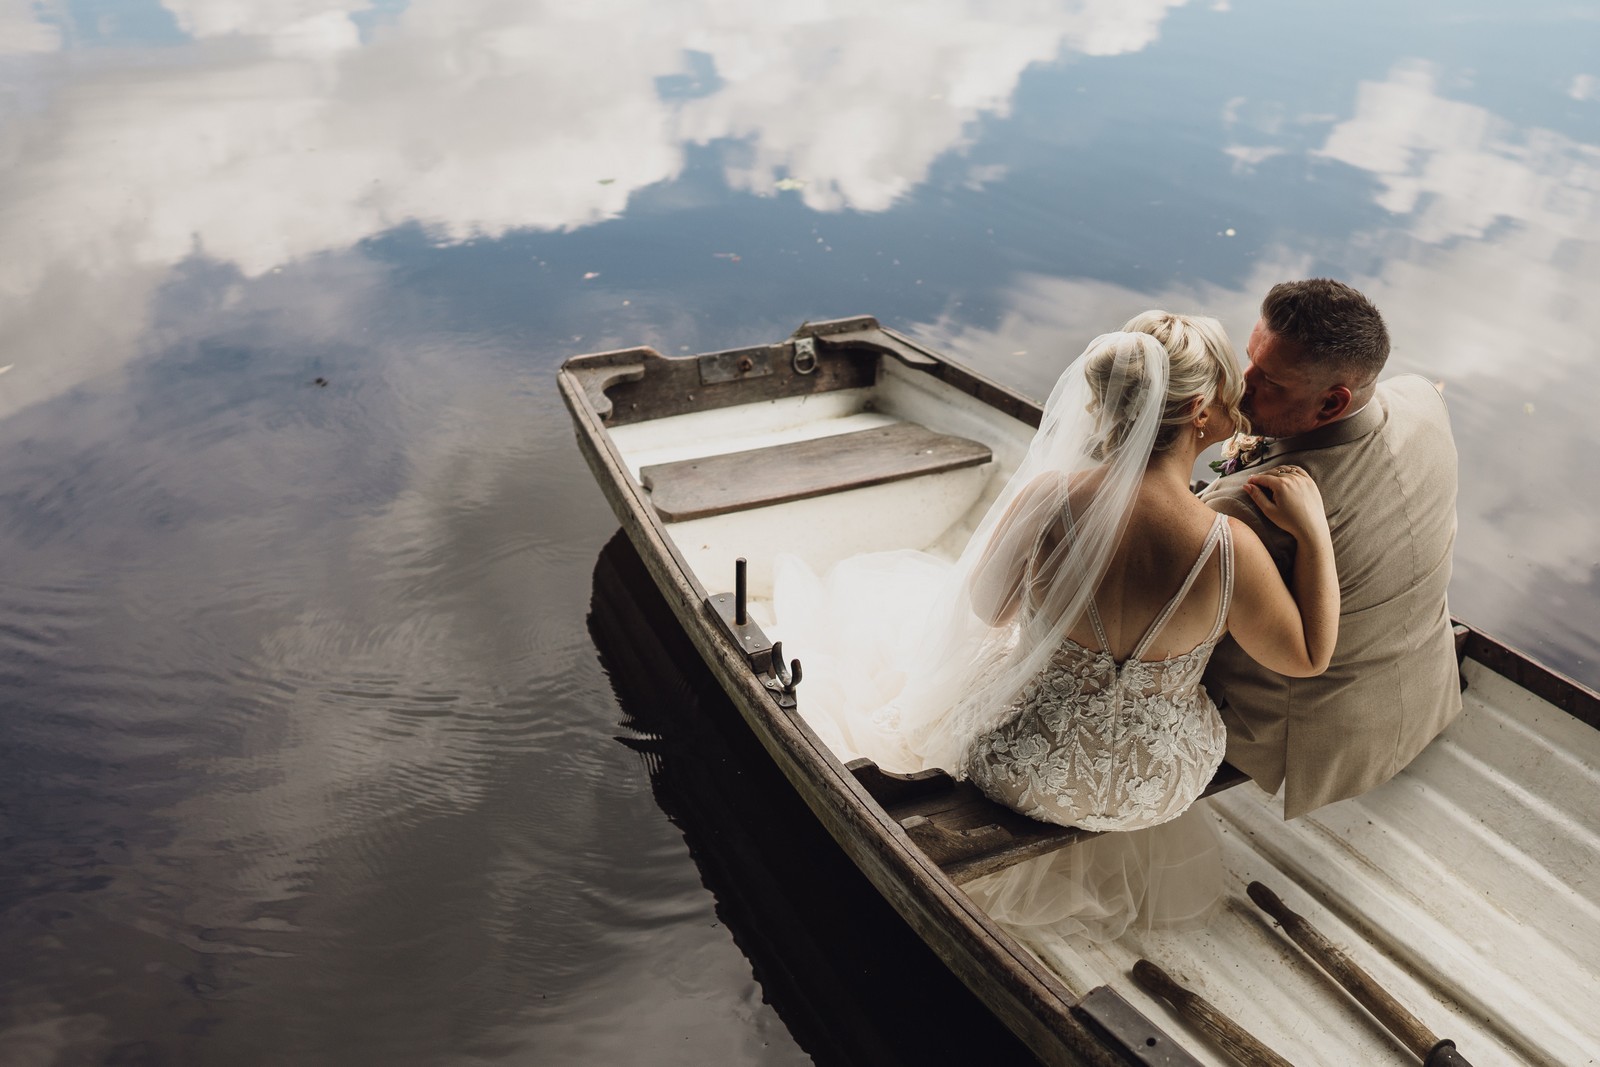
x=1279, y=396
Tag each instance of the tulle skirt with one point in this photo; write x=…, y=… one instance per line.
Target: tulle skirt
x=1160, y=878
x=857, y=632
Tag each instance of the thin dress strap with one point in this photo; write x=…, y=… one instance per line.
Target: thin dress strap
x=1225, y=604
x=1219, y=532
x=1094, y=613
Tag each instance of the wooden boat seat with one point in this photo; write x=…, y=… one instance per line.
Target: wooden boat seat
x=736, y=481
x=967, y=834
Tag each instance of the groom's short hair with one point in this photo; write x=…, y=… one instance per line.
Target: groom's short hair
x=1333, y=326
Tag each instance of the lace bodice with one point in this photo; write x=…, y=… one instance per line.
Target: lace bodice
x=1104, y=745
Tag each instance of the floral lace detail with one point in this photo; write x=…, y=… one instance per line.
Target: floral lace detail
x=1106, y=746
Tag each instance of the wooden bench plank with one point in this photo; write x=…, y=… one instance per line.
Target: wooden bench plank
x=759, y=477
x=967, y=834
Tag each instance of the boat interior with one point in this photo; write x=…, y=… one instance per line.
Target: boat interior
x=919, y=456
x=1465, y=885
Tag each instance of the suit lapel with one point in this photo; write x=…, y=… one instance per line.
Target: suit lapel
x=1342, y=432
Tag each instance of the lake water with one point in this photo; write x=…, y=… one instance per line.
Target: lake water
x=331, y=730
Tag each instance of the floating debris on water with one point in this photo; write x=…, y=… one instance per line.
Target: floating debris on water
x=591, y=274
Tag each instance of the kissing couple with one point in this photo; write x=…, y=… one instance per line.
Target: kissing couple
x=1108, y=636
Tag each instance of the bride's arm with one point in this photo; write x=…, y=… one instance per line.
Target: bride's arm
x=1289, y=629
x=995, y=586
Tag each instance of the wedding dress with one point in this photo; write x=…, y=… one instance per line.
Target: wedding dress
x=1104, y=745
x=908, y=665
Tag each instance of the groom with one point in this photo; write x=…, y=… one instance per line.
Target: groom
x=1385, y=462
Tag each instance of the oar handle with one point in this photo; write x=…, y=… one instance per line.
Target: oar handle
x=1416, y=1037
x=1444, y=1054
x=1222, y=1031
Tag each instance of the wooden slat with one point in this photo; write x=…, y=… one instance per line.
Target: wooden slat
x=638, y=384
x=967, y=834
x=736, y=481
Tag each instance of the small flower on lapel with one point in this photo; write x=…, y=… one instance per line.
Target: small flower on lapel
x=1240, y=451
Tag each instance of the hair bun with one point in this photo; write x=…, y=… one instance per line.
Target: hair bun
x=1196, y=363
x=1120, y=368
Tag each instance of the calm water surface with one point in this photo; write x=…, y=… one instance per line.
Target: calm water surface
x=330, y=729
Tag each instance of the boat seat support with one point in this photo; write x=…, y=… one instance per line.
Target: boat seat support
x=967, y=834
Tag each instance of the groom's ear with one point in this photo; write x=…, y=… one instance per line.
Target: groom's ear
x=1334, y=404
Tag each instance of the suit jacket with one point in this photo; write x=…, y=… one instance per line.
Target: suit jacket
x=1388, y=477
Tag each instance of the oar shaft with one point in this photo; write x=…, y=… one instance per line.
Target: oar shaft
x=1222, y=1031
x=1396, y=1019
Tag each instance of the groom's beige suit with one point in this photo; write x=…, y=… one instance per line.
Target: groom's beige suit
x=1388, y=477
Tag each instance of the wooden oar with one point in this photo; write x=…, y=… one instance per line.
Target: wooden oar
x=1222, y=1031
x=1433, y=1051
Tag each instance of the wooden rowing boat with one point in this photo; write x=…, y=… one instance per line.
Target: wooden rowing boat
x=1465, y=884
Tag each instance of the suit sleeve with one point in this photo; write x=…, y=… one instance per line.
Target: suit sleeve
x=1229, y=498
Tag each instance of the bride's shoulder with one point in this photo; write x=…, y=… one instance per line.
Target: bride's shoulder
x=1253, y=560
x=1050, y=486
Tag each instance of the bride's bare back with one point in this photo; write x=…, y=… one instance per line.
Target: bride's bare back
x=1163, y=538
x=1289, y=631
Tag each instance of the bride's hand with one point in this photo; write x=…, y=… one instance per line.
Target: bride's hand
x=1289, y=498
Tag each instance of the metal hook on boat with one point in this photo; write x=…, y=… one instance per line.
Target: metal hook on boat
x=805, y=355
x=783, y=678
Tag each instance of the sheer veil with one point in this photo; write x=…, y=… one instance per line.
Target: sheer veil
x=1029, y=570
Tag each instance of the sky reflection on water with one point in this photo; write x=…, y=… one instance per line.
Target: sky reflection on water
x=321, y=648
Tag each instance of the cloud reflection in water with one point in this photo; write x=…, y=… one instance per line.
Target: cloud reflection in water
x=278, y=134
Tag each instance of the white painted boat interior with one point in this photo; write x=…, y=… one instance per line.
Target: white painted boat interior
x=1467, y=886
x=934, y=513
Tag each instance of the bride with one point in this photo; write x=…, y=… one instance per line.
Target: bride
x=1057, y=663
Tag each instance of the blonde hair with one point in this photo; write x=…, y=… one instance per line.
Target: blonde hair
x=1201, y=366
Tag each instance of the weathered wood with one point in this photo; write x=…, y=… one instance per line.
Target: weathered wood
x=1212, y=1022
x=1410, y=1030
x=889, y=788
x=656, y=386
x=759, y=477
x=967, y=834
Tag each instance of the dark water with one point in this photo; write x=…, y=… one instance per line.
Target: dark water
x=322, y=735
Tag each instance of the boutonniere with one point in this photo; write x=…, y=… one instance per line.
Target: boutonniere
x=1240, y=451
